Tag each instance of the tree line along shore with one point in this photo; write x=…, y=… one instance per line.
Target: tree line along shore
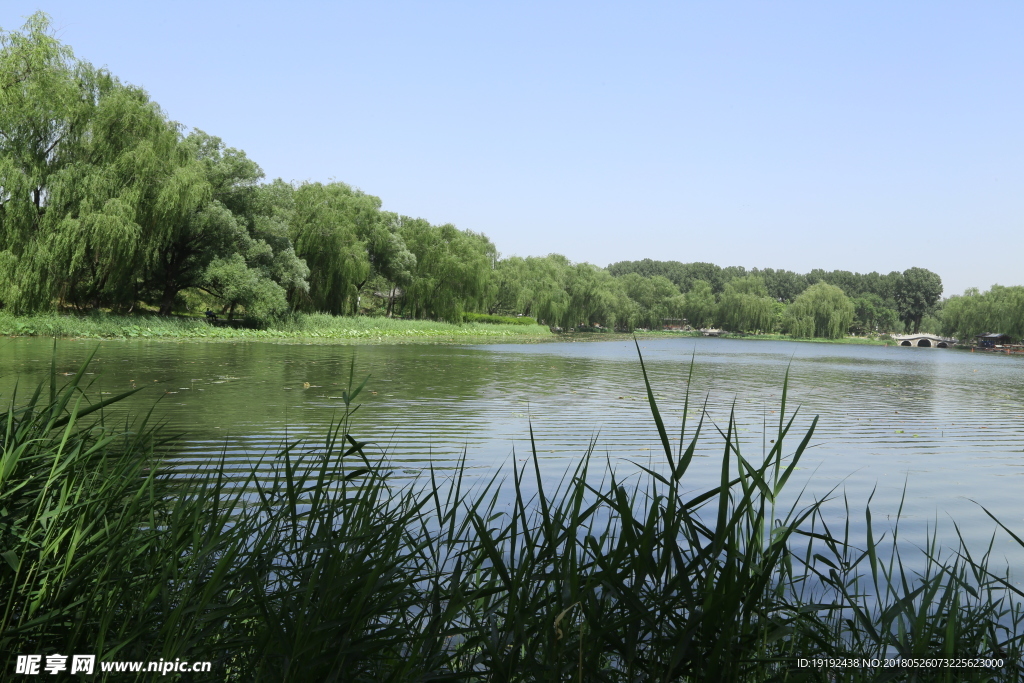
x=108, y=205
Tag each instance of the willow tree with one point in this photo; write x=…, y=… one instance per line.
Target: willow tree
x=543, y=293
x=699, y=306
x=126, y=210
x=745, y=306
x=103, y=202
x=1000, y=310
x=80, y=156
x=452, y=270
x=203, y=214
x=656, y=298
x=822, y=310
x=596, y=298
x=328, y=226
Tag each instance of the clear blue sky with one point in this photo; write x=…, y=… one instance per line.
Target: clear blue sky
x=861, y=135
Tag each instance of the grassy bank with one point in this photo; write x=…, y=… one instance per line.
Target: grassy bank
x=328, y=572
x=320, y=327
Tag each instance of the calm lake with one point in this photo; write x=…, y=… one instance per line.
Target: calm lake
x=944, y=424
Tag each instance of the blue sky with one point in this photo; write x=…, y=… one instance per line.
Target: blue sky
x=861, y=136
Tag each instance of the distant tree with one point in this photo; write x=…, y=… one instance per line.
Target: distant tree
x=699, y=306
x=674, y=271
x=783, y=285
x=745, y=306
x=542, y=291
x=822, y=310
x=883, y=286
x=701, y=272
x=655, y=298
x=916, y=292
x=593, y=297
x=508, y=285
x=389, y=256
x=871, y=314
x=730, y=273
x=1000, y=310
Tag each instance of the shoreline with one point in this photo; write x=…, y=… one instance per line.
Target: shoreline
x=666, y=334
x=327, y=329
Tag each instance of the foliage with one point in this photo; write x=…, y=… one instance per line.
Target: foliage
x=83, y=159
x=682, y=275
x=452, y=270
x=656, y=299
x=999, y=310
x=229, y=243
x=871, y=315
x=347, y=241
x=497, y=319
x=595, y=298
x=917, y=291
x=699, y=307
x=783, y=285
x=296, y=326
x=746, y=307
x=533, y=286
x=822, y=310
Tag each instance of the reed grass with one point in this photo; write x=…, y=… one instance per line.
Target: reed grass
x=299, y=327
x=329, y=571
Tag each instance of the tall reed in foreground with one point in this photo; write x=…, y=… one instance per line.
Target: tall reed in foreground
x=326, y=570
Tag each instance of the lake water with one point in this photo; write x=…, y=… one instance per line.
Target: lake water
x=944, y=424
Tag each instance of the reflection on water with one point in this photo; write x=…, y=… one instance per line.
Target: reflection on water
x=944, y=424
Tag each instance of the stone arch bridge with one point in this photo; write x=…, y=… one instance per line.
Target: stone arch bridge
x=924, y=340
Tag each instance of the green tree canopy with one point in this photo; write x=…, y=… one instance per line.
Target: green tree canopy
x=784, y=285
x=655, y=299
x=999, y=310
x=329, y=226
x=745, y=306
x=822, y=310
x=872, y=314
x=699, y=306
x=84, y=162
x=452, y=271
x=916, y=292
x=210, y=211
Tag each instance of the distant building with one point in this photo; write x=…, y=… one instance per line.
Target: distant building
x=991, y=340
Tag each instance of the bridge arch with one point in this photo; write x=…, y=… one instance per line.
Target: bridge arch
x=924, y=340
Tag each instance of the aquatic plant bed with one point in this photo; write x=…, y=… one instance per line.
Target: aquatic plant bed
x=328, y=570
x=299, y=327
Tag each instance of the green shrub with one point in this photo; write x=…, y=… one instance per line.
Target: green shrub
x=498, y=319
